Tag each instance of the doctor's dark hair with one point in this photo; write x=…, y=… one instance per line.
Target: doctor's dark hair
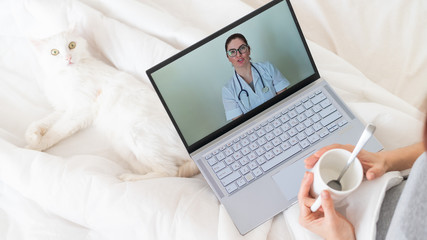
x=234, y=36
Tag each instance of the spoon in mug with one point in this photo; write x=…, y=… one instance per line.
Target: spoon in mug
x=366, y=135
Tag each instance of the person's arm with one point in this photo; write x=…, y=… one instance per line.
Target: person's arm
x=402, y=158
x=376, y=164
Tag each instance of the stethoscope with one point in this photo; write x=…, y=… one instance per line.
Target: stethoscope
x=264, y=88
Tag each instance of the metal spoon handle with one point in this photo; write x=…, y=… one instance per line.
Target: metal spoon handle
x=366, y=135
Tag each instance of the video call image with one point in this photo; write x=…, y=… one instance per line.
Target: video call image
x=233, y=73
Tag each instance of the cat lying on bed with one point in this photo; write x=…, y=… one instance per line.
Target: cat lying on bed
x=85, y=91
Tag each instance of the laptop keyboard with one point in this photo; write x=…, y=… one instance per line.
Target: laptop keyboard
x=249, y=156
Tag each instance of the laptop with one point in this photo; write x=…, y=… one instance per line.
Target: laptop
x=255, y=163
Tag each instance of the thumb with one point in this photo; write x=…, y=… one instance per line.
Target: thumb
x=327, y=204
x=374, y=173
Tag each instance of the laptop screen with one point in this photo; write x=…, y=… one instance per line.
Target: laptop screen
x=204, y=88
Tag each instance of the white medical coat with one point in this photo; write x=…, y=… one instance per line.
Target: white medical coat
x=272, y=79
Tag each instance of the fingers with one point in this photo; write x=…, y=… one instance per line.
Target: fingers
x=374, y=173
x=373, y=164
x=305, y=185
x=303, y=193
x=311, y=160
x=370, y=175
x=305, y=201
x=327, y=204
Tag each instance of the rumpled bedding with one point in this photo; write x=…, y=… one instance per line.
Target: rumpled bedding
x=372, y=52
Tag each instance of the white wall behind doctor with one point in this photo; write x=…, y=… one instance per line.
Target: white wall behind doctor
x=192, y=84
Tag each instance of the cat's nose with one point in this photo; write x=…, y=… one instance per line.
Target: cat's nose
x=68, y=59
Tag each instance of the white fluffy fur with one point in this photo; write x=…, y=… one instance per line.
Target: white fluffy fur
x=84, y=91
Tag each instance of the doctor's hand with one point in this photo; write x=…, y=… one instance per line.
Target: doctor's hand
x=374, y=164
x=325, y=222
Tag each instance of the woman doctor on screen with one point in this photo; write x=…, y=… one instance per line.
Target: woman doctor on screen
x=252, y=83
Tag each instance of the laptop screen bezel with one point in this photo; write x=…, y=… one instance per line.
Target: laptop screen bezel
x=233, y=124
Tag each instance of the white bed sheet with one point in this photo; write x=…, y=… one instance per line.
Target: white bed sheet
x=71, y=191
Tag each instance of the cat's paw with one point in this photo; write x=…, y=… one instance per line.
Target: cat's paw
x=35, y=137
x=34, y=133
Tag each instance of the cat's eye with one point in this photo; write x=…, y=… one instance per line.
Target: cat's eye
x=72, y=45
x=54, y=52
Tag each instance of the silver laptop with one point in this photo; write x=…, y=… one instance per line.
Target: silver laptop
x=254, y=163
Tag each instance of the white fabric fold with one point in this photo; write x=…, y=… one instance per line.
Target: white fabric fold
x=71, y=190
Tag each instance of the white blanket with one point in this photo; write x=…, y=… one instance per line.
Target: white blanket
x=371, y=51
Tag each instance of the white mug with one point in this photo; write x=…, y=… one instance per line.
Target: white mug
x=328, y=168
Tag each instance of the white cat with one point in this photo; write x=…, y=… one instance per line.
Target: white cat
x=84, y=90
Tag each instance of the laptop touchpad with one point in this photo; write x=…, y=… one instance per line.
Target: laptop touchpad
x=289, y=179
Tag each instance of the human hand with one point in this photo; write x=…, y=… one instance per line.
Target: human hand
x=325, y=222
x=374, y=164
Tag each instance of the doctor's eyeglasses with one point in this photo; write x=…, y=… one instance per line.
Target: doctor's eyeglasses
x=242, y=49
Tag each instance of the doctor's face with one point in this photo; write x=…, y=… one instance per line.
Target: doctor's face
x=240, y=59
